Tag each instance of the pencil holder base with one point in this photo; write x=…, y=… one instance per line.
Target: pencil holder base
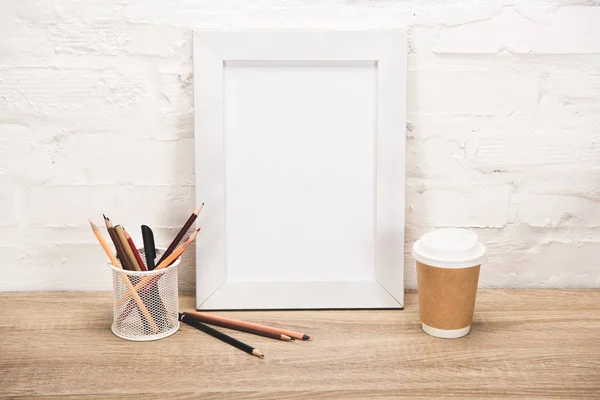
x=146, y=338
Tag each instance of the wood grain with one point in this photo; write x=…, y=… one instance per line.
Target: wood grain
x=524, y=344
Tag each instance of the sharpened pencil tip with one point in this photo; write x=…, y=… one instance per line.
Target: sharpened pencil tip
x=306, y=337
x=257, y=353
x=191, y=238
x=105, y=217
x=199, y=209
x=93, y=225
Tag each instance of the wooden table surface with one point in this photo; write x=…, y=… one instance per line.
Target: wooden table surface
x=523, y=344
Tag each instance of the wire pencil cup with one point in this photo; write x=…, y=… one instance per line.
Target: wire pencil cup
x=159, y=294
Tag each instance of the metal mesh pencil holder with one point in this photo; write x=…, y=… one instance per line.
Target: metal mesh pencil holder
x=145, y=303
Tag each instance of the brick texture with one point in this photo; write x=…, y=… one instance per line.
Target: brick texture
x=96, y=115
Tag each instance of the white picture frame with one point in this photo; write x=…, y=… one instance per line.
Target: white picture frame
x=215, y=288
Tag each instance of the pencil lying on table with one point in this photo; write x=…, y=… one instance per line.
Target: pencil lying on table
x=258, y=332
x=130, y=289
x=221, y=336
x=216, y=320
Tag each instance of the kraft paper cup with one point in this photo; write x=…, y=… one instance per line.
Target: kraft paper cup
x=448, y=263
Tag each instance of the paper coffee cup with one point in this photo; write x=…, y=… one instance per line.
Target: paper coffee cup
x=448, y=263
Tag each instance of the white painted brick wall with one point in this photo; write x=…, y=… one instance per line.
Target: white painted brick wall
x=96, y=115
x=473, y=92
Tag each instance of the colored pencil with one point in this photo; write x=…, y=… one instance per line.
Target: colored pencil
x=128, y=252
x=214, y=319
x=180, y=235
x=135, y=251
x=131, y=290
x=257, y=332
x=166, y=262
x=117, y=243
x=126, y=265
x=154, y=288
x=221, y=336
x=155, y=294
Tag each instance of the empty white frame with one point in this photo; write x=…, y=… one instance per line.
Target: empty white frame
x=300, y=160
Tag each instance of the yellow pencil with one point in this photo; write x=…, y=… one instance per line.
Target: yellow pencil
x=132, y=292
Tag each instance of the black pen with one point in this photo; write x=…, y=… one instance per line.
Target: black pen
x=149, y=247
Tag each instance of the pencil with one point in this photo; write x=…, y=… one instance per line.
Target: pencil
x=179, y=236
x=128, y=252
x=155, y=294
x=126, y=265
x=214, y=319
x=135, y=252
x=131, y=290
x=118, y=246
x=257, y=332
x=166, y=262
x=221, y=336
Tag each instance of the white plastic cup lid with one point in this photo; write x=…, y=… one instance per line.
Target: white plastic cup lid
x=449, y=248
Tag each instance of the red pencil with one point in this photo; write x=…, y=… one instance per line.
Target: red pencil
x=136, y=253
